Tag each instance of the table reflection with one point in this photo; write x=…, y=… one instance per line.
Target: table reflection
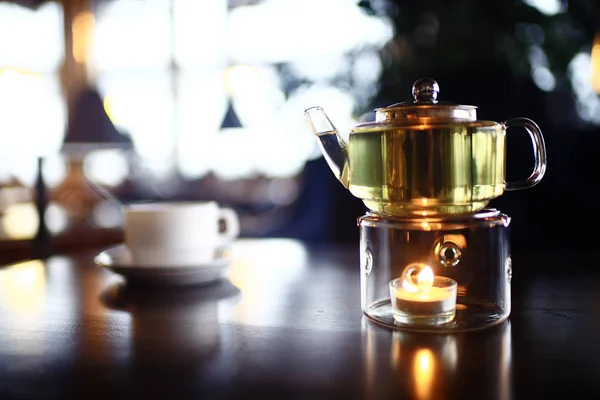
x=173, y=313
x=38, y=307
x=429, y=365
x=22, y=294
x=22, y=288
x=173, y=331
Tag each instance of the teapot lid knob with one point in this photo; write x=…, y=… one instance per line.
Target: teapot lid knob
x=425, y=90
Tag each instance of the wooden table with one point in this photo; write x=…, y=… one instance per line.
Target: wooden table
x=288, y=324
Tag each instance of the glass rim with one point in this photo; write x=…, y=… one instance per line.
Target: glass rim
x=488, y=216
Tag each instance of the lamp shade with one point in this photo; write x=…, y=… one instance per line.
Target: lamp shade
x=90, y=128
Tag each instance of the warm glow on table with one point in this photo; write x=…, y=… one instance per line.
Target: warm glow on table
x=423, y=370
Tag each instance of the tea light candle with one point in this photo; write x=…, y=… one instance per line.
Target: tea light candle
x=428, y=300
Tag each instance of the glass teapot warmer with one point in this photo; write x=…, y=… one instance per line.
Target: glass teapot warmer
x=447, y=274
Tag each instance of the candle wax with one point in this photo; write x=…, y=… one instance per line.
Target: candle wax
x=433, y=294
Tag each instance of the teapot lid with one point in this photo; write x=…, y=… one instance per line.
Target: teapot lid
x=425, y=107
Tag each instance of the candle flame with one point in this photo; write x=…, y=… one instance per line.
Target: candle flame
x=424, y=278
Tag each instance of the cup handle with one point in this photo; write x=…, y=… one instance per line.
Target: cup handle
x=232, y=225
x=539, y=152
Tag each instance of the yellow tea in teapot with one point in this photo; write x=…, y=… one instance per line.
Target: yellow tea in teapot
x=427, y=169
x=425, y=158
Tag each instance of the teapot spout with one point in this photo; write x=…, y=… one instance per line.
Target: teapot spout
x=333, y=146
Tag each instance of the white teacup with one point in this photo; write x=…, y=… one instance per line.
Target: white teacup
x=177, y=233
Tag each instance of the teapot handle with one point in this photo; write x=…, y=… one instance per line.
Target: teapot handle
x=539, y=152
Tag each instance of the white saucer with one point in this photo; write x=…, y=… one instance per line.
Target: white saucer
x=118, y=260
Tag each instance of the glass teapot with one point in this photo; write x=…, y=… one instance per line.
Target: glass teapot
x=425, y=158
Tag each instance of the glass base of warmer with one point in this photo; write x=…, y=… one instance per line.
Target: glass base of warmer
x=470, y=316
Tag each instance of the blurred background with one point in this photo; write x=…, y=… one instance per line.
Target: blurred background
x=188, y=99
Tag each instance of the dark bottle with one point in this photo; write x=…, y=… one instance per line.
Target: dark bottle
x=42, y=242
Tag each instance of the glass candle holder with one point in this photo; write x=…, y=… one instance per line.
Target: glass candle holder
x=472, y=251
